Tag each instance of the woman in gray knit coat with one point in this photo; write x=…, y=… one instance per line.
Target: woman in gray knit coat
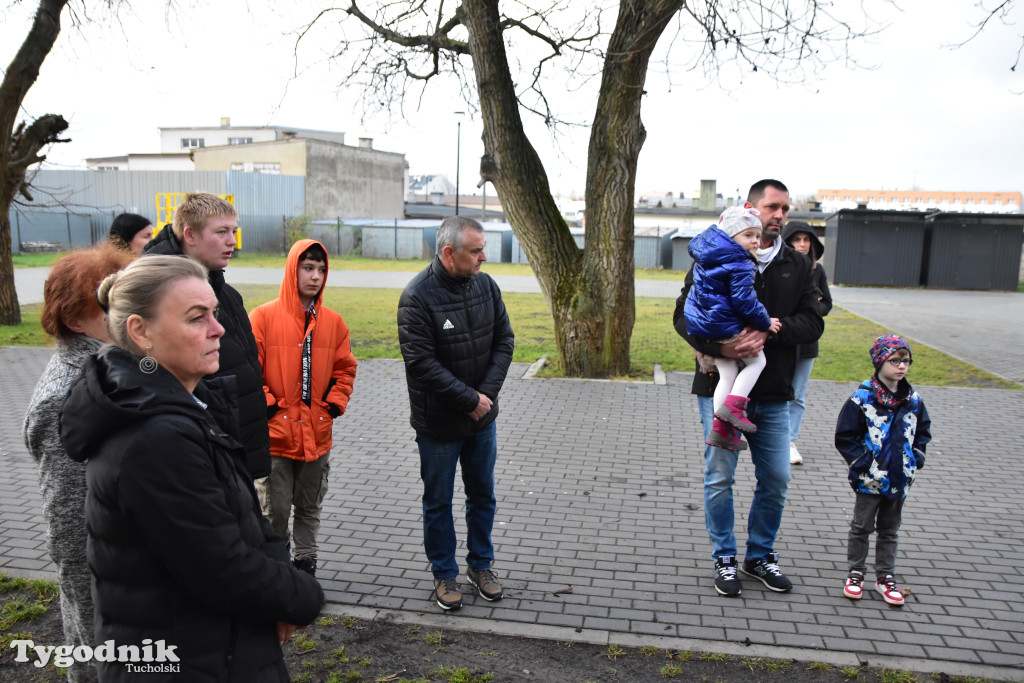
x=71, y=314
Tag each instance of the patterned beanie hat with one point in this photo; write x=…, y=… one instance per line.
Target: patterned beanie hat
x=885, y=346
x=736, y=219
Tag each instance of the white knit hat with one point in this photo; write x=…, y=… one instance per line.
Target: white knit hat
x=736, y=219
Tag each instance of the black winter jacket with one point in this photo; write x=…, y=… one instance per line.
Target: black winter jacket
x=238, y=357
x=823, y=307
x=177, y=546
x=456, y=341
x=786, y=288
x=820, y=277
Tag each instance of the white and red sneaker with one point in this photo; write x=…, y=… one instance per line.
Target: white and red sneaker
x=889, y=590
x=853, y=588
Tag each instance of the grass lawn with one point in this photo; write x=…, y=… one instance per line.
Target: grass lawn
x=359, y=263
x=370, y=314
x=37, y=260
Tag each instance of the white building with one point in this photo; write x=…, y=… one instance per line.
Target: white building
x=920, y=200
x=183, y=139
x=142, y=162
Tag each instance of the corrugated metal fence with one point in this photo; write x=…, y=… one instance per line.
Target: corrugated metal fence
x=76, y=207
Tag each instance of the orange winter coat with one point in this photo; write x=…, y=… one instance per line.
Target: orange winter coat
x=297, y=430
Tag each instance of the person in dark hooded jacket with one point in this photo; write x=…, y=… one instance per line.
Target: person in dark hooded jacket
x=204, y=229
x=181, y=557
x=802, y=238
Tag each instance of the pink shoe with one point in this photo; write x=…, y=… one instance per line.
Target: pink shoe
x=733, y=411
x=724, y=436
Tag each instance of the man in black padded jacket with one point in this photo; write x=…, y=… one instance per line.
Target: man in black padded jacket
x=204, y=230
x=457, y=344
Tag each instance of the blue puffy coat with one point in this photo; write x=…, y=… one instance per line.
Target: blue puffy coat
x=722, y=300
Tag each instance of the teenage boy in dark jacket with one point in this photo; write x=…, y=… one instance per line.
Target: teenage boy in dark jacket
x=785, y=286
x=457, y=344
x=204, y=230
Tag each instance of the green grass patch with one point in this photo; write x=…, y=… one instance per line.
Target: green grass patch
x=18, y=610
x=615, y=651
x=37, y=260
x=671, y=670
x=29, y=332
x=303, y=644
x=371, y=316
x=460, y=675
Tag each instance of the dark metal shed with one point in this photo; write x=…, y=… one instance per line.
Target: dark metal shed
x=868, y=247
x=681, y=259
x=973, y=251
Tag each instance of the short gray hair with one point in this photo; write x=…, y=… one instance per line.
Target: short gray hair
x=452, y=232
x=139, y=289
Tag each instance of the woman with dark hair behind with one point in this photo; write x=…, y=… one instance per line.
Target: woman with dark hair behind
x=802, y=238
x=178, y=547
x=71, y=314
x=131, y=232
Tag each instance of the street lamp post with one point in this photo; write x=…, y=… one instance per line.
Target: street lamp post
x=458, y=144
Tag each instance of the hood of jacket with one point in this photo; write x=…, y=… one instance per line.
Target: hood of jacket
x=793, y=227
x=713, y=247
x=164, y=244
x=290, y=283
x=112, y=394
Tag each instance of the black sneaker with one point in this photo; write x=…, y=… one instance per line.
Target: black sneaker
x=306, y=564
x=447, y=594
x=486, y=583
x=767, y=572
x=726, y=581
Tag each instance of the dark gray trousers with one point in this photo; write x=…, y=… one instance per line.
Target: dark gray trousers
x=871, y=513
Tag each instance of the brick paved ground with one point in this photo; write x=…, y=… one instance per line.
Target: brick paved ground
x=599, y=489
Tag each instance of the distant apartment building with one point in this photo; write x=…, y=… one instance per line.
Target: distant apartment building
x=920, y=200
x=185, y=139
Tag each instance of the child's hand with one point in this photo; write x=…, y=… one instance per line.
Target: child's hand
x=776, y=325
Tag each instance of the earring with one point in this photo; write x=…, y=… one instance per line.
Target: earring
x=148, y=364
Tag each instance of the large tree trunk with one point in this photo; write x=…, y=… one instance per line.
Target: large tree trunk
x=591, y=291
x=19, y=148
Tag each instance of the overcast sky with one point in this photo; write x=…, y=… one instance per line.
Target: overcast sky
x=926, y=117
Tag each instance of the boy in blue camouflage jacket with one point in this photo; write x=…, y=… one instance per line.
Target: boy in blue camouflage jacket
x=882, y=433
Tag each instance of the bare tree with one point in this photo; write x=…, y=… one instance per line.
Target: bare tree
x=21, y=143
x=1000, y=12
x=401, y=46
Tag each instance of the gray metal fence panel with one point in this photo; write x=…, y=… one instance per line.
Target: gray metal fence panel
x=681, y=259
x=391, y=242
x=492, y=248
x=63, y=230
x=973, y=251
x=337, y=236
x=646, y=251
x=261, y=200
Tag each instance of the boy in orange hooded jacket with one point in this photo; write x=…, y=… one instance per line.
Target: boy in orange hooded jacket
x=308, y=373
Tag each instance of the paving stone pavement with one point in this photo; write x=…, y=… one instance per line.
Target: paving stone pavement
x=599, y=490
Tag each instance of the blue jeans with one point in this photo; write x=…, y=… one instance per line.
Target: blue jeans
x=796, y=407
x=769, y=450
x=438, y=460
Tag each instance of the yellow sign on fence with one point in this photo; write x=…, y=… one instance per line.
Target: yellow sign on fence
x=167, y=203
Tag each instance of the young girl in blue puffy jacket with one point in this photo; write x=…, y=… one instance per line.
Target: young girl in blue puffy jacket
x=721, y=303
